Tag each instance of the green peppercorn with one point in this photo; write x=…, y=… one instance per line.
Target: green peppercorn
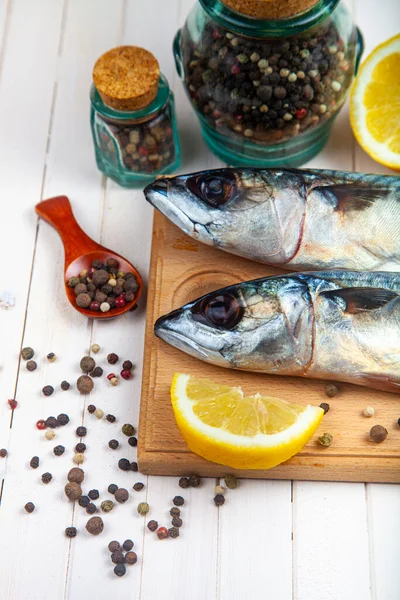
x=325, y=440
x=378, y=434
x=107, y=505
x=231, y=482
x=29, y=507
x=128, y=429
x=143, y=508
x=87, y=364
x=152, y=526
x=71, y=532
x=219, y=499
x=31, y=365
x=114, y=546
x=178, y=501
x=73, y=282
x=173, y=532
x=84, y=384
x=95, y=525
x=27, y=353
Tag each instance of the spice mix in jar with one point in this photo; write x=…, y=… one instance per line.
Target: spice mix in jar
x=267, y=77
x=132, y=117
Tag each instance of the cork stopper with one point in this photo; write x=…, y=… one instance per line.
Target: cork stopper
x=269, y=9
x=127, y=77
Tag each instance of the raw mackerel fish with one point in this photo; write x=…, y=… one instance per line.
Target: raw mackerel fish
x=297, y=219
x=339, y=325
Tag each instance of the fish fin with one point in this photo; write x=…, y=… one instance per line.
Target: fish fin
x=361, y=299
x=380, y=382
x=353, y=197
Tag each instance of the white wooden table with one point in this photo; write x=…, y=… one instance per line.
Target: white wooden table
x=279, y=540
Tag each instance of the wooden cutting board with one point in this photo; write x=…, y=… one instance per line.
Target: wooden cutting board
x=182, y=270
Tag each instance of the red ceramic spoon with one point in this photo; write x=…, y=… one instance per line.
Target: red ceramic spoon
x=80, y=251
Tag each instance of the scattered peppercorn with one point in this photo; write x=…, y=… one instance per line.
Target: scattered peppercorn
x=111, y=418
x=175, y=512
x=331, y=390
x=12, y=404
x=91, y=408
x=50, y=435
x=117, y=557
x=63, y=419
x=121, y=495
x=127, y=545
x=325, y=406
x=91, y=508
x=120, y=570
x=47, y=477
x=97, y=372
x=132, y=441
x=178, y=501
x=107, y=505
x=194, y=481
x=94, y=494
x=3, y=453
x=219, y=499
x=114, y=381
x=325, y=440
x=34, y=463
x=87, y=364
x=65, y=385
x=184, y=482
x=219, y=489
x=80, y=448
x=378, y=434
x=29, y=507
x=127, y=365
x=162, y=533
x=143, y=508
x=59, y=450
x=73, y=490
x=95, y=525
x=126, y=374
x=27, y=353
x=84, y=384
x=71, y=532
x=110, y=376
x=114, y=546
x=112, y=358
x=173, y=532
x=128, y=429
x=131, y=558
x=98, y=413
x=112, y=488
x=51, y=357
x=134, y=467
x=124, y=464
x=78, y=458
x=81, y=431
x=231, y=482
x=177, y=522
x=138, y=486
x=41, y=424
x=113, y=444
x=52, y=422
x=369, y=411
x=84, y=501
x=48, y=390
x=76, y=475
x=31, y=365
x=152, y=525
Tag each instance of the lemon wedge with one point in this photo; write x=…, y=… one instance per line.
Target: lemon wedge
x=222, y=425
x=375, y=104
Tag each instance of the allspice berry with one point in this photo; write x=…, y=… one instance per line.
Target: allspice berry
x=73, y=491
x=121, y=495
x=95, y=525
x=87, y=364
x=76, y=475
x=378, y=434
x=85, y=384
x=83, y=300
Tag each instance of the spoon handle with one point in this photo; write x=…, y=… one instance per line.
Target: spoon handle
x=58, y=212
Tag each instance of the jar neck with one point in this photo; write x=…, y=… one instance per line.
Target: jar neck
x=259, y=28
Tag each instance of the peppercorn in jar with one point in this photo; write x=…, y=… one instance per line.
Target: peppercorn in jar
x=267, y=78
x=132, y=117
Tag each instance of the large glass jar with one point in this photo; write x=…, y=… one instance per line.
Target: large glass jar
x=266, y=91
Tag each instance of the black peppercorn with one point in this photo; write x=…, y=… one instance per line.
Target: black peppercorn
x=175, y=512
x=91, y=408
x=177, y=522
x=31, y=365
x=81, y=431
x=184, y=482
x=132, y=441
x=91, y=508
x=219, y=499
x=84, y=501
x=331, y=390
x=120, y=570
x=52, y=422
x=29, y=507
x=48, y=390
x=127, y=545
x=194, y=481
x=47, y=477
x=76, y=475
x=65, y=385
x=127, y=364
x=134, y=466
x=3, y=453
x=112, y=358
x=173, y=532
x=114, y=546
x=111, y=418
x=63, y=419
x=138, y=486
x=117, y=557
x=93, y=494
x=97, y=372
x=95, y=525
x=34, y=462
x=325, y=406
x=71, y=532
x=128, y=430
x=131, y=557
x=59, y=450
x=178, y=501
x=80, y=448
x=112, y=488
x=113, y=444
x=124, y=464
x=152, y=525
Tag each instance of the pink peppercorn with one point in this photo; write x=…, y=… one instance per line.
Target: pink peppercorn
x=41, y=424
x=215, y=34
x=143, y=151
x=235, y=70
x=120, y=302
x=301, y=113
x=13, y=404
x=126, y=374
x=162, y=533
x=94, y=305
x=110, y=376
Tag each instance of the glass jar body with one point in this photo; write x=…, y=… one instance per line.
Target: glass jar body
x=133, y=148
x=266, y=100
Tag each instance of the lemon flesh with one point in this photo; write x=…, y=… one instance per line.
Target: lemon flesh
x=222, y=425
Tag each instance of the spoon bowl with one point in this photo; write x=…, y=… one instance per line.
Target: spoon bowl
x=80, y=251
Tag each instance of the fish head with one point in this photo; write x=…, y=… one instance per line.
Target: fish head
x=251, y=212
x=265, y=325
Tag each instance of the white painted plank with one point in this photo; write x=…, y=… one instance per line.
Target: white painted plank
x=330, y=541
x=255, y=545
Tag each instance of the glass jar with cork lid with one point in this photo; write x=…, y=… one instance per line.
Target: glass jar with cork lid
x=267, y=77
x=132, y=117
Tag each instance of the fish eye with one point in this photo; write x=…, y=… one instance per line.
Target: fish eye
x=223, y=310
x=214, y=188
